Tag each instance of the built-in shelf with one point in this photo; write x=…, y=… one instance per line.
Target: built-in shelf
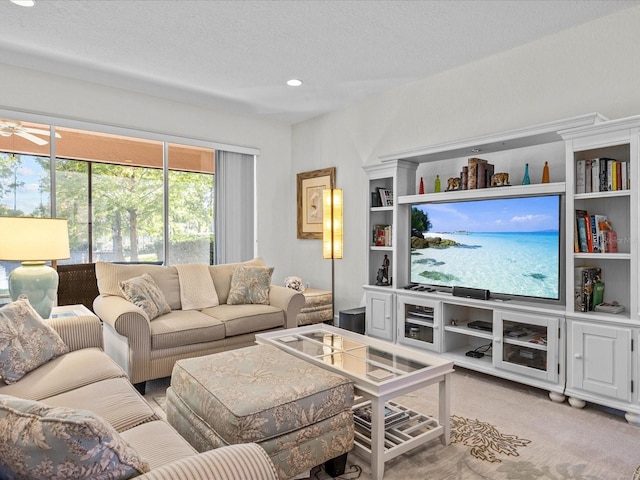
x=486, y=193
x=588, y=356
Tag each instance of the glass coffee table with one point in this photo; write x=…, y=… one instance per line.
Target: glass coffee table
x=380, y=372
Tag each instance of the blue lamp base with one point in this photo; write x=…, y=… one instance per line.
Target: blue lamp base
x=39, y=282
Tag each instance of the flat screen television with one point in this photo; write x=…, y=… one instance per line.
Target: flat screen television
x=512, y=247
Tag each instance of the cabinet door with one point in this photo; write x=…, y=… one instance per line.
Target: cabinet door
x=379, y=315
x=527, y=344
x=600, y=359
x=418, y=322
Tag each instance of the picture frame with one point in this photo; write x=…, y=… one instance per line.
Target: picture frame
x=386, y=197
x=309, y=202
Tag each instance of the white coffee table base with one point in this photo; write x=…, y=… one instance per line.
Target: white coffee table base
x=383, y=445
x=380, y=372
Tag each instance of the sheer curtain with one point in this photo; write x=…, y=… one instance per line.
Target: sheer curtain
x=235, y=207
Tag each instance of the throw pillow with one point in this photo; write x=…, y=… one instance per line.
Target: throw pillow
x=145, y=293
x=250, y=285
x=26, y=341
x=39, y=441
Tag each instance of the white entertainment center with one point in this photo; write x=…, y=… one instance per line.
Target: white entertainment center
x=585, y=356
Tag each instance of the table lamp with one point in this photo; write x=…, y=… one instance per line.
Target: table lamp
x=33, y=241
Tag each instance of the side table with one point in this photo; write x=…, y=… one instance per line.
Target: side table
x=318, y=307
x=71, y=311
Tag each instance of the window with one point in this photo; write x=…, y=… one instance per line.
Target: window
x=121, y=202
x=191, y=204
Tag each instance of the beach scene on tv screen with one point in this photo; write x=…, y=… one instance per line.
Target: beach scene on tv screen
x=508, y=246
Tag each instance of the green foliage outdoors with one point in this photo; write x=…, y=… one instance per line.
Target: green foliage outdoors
x=127, y=207
x=420, y=220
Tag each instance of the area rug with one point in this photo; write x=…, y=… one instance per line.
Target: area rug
x=502, y=430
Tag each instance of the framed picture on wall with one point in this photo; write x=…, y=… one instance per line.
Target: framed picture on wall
x=310, y=186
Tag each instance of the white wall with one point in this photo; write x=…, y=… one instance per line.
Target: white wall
x=594, y=67
x=34, y=92
x=591, y=68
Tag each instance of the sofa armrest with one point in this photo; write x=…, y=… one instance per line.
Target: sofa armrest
x=123, y=316
x=79, y=332
x=234, y=462
x=289, y=300
x=127, y=335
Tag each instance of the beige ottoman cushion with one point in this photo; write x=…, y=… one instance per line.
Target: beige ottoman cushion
x=298, y=412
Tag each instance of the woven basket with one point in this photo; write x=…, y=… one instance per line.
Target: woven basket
x=77, y=285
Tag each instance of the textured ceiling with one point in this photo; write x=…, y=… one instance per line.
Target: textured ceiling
x=236, y=55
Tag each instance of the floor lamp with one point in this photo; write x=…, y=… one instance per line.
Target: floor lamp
x=332, y=233
x=33, y=241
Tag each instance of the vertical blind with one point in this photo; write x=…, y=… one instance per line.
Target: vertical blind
x=234, y=194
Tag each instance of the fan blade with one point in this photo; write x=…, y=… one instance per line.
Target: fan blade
x=31, y=138
x=39, y=131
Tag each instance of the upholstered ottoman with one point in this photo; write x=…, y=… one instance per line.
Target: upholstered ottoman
x=298, y=412
x=318, y=307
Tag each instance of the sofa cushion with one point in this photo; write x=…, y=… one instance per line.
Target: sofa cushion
x=40, y=441
x=65, y=373
x=250, y=285
x=222, y=274
x=115, y=400
x=158, y=443
x=145, y=293
x=109, y=276
x=240, y=319
x=26, y=341
x=181, y=327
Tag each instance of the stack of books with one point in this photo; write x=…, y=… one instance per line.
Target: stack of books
x=589, y=288
x=381, y=236
x=478, y=174
x=601, y=175
x=393, y=416
x=594, y=234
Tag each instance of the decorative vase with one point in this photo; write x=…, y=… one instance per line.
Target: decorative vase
x=437, y=189
x=526, y=180
x=545, y=173
x=39, y=282
x=421, y=190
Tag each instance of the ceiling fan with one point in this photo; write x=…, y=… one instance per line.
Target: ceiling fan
x=13, y=127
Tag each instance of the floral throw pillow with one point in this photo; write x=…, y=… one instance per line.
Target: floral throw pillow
x=144, y=292
x=250, y=285
x=39, y=441
x=26, y=341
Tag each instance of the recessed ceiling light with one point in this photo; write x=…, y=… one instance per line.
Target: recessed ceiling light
x=24, y=3
x=294, y=82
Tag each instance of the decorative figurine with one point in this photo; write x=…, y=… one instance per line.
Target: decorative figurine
x=453, y=183
x=500, y=179
x=383, y=273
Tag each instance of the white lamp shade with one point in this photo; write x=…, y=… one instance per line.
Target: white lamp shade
x=332, y=228
x=29, y=239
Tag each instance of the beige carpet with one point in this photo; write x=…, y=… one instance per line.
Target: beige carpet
x=503, y=430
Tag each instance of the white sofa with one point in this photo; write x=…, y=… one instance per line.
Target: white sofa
x=53, y=408
x=148, y=348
